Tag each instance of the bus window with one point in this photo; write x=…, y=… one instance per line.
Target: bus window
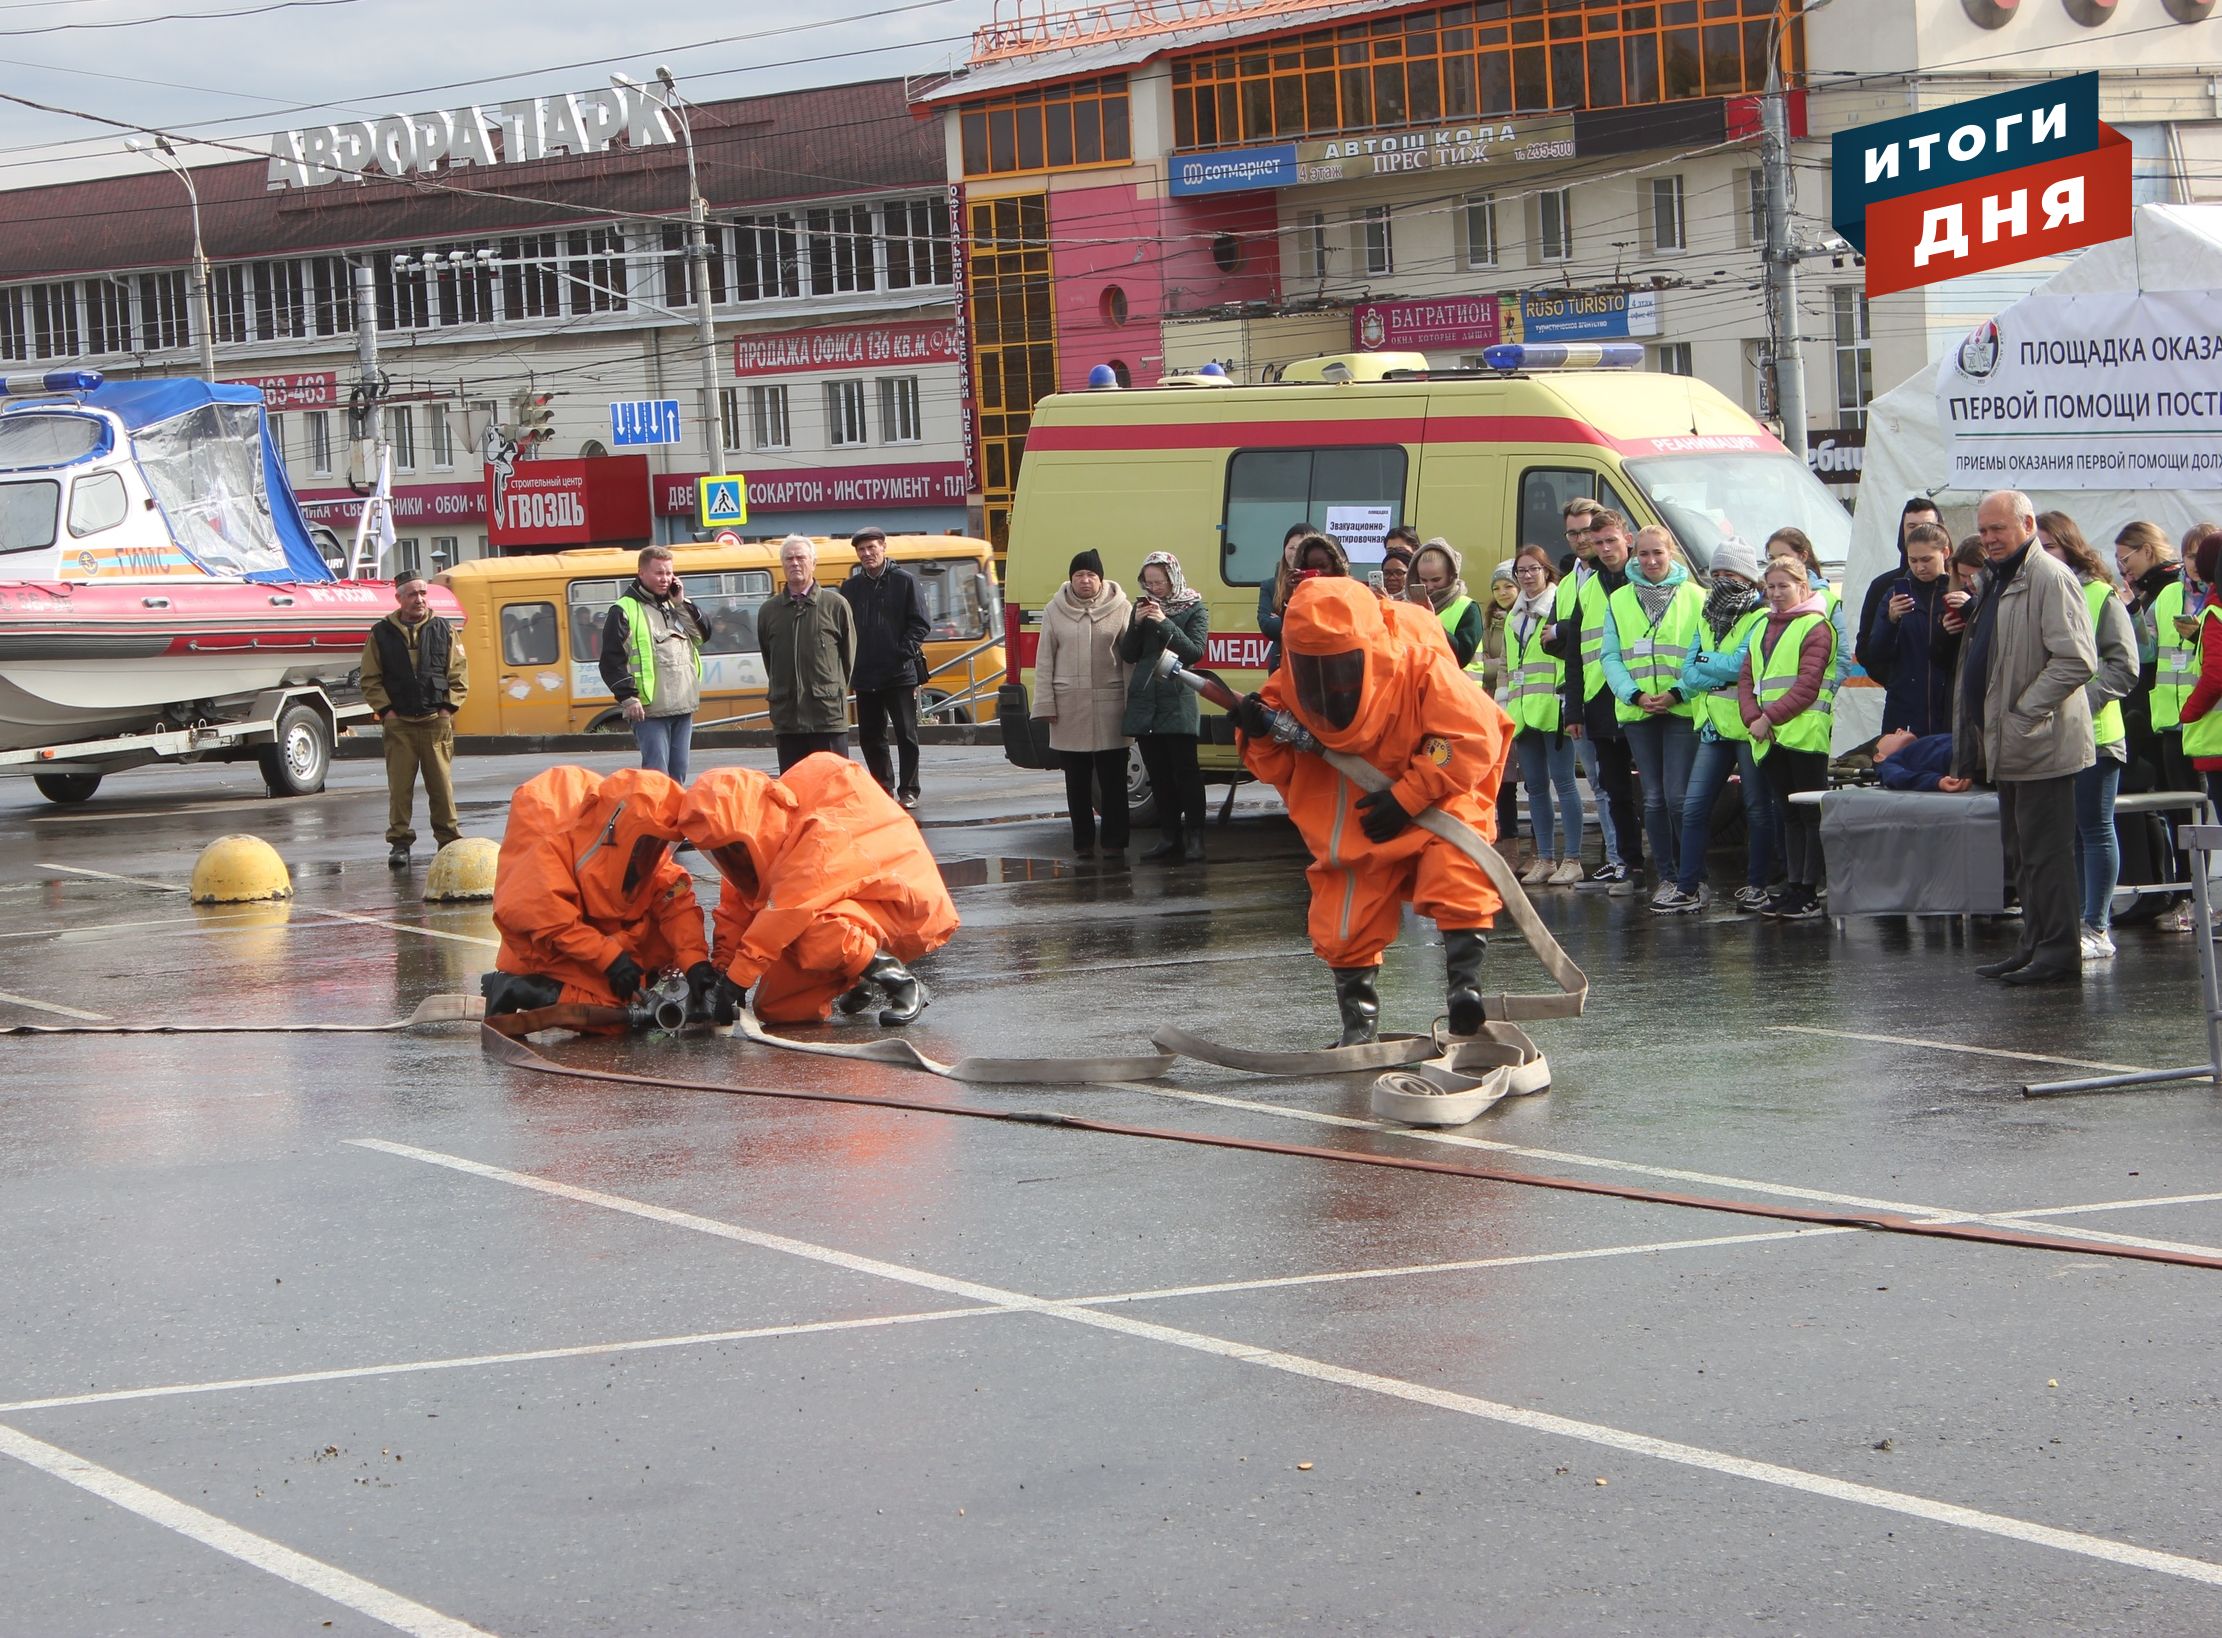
x=951, y=587
x=1270, y=489
x=729, y=602
x=591, y=601
x=1544, y=492
x=528, y=634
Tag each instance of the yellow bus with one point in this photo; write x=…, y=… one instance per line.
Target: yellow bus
x=533, y=631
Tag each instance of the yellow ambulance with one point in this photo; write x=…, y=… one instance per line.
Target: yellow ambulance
x=533, y=630
x=1485, y=458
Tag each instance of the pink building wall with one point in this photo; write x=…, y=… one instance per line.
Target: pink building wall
x=1159, y=254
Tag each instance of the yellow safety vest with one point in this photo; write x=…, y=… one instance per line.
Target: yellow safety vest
x=2175, y=659
x=1719, y=706
x=1775, y=670
x=2107, y=727
x=1533, y=681
x=643, y=644
x=1589, y=605
x=2204, y=737
x=1653, y=654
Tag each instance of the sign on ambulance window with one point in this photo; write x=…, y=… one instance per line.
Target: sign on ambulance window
x=1268, y=490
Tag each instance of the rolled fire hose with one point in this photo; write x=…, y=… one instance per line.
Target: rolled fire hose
x=433, y=1009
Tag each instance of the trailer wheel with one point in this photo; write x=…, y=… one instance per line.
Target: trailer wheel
x=295, y=763
x=66, y=787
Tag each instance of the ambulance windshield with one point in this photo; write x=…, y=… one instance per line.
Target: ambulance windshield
x=1707, y=497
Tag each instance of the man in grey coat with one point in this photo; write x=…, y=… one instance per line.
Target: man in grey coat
x=2021, y=722
x=808, y=638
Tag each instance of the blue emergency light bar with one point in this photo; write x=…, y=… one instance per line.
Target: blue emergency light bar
x=1564, y=355
x=19, y=386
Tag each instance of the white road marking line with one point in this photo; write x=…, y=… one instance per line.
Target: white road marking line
x=206, y=919
x=1337, y=1276
x=1542, y=1422
x=1954, y=1046
x=586, y=1350
x=405, y=927
x=311, y=1574
x=2115, y=1205
x=110, y=876
x=53, y=1007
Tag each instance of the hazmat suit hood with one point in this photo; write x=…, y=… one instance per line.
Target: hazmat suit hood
x=623, y=837
x=1340, y=655
x=740, y=819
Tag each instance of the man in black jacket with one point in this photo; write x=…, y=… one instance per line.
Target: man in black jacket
x=891, y=627
x=415, y=678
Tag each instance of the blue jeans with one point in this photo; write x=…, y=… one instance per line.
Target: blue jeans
x=1585, y=753
x=1708, y=774
x=2098, y=852
x=1664, y=748
x=664, y=742
x=1547, y=766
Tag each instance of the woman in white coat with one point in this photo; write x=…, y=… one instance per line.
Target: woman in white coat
x=1080, y=688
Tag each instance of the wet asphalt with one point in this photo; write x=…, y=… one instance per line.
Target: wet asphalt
x=363, y=1333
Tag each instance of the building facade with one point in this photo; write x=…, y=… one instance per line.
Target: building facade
x=552, y=287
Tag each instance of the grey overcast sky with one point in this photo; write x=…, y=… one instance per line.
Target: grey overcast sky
x=239, y=78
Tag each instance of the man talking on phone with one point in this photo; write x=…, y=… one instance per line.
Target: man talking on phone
x=652, y=661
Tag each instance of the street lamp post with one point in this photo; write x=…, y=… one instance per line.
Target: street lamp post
x=204, y=318
x=698, y=262
x=1785, y=347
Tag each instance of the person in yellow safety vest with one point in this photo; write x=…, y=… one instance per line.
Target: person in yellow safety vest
x=652, y=661
x=1435, y=578
x=2168, y=663
x=1785, y=702
x=1798, y=544
x=1533, y=678
x=1732, y=613
x=1504, y=591
x=1591, y=719
x=1651, y=629
x=2202, y=707
x=2098, y=857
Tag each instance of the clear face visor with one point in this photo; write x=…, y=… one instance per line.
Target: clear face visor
x=734, y=864
x=1329, y=686
x=649, y=853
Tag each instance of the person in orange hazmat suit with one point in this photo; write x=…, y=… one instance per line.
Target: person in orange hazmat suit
x=1364, y=680
x=587, y=897
x=829, y=891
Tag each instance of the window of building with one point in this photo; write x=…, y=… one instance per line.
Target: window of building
x=281, y=301
x=918, y=250
x=1056, y=128
x=316, y=437
x=845, y=422
x=407, y=554
x=463, y=284
x=678, y=286
x=1664, y=224
x=1855, y=358
x=1672, y=358
x=1268, y=489
x=404, y=293
x=1014, y=339
x=163, y=308
x=231, y=294
x=532, y=284
x=440, y=434
x=767, y=259
x=899, y=419
x=401, y=436
x=108, y=315
x=840, y=254
x=1376, y=247
x=1461, y=62
x=595, y=273
x=768, y=424
x=1554, y=232
x=732, y=418
x=332, y=295
x=1481, y=230
x=1315, y=234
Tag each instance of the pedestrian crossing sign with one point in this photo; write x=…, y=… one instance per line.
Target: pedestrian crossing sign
x=722, y=501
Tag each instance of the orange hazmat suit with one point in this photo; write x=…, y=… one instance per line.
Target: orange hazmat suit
x=822, y=871
x=1420, y=720
x=586, y=875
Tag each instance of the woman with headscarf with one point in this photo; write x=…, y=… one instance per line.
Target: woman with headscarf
x=1080, y=689
x=1164, y=717
x=1435, y=581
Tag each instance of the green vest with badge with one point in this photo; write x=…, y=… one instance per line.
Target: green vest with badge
x=1653, y=652
x=1774, y=671
x=2204, y=737
x=1718, y=706
x=2107, y=727
x=2175, y=659
x=1533, y=679
x=1589, y=608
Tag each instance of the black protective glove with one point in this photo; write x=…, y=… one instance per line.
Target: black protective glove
x=624, y=976
x=1253, y=716
x=702, y=984
x=1382, y=816
x=726, y=1001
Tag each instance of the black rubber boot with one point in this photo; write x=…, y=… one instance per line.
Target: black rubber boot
x=906, y=996
x=517, y=992
x=1194, y=836
x=1359, y=1005
x=861, y=996
x=1462, y=953
x=1172, y=850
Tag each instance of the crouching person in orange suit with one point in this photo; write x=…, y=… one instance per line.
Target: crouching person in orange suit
x=1364, y=684
x=829, y=891
x=587, y=897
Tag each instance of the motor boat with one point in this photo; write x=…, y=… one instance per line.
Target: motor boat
x=155, y=569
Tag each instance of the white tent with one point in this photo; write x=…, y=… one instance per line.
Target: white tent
x=2171, y=247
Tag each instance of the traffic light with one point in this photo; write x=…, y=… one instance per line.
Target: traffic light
x=532, y=418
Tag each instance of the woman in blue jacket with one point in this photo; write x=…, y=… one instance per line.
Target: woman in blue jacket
x=1908, y=641
x=1733, y=611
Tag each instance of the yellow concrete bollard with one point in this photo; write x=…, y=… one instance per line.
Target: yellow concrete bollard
x=240, y=870
x=464, y=869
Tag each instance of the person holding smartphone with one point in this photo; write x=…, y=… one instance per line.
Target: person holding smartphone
x=652, y=661
x=1907, y=635
x=1161, y=715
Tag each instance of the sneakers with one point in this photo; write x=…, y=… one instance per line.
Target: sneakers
x=1568, y=874
x=1671, y=900
x=2177, y=920
x=1798, y=904
x=2097, y=946
x=1751, y=900
x=1626, y=885
x=1606, y=875
x=1538, y=872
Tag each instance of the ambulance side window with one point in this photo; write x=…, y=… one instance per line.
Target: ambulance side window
x=1544, y=492
x=1270, y=489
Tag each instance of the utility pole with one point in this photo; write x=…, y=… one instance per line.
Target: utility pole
x=1785, y=348
x=366, y=414
x=698, y=264
x=204, y=315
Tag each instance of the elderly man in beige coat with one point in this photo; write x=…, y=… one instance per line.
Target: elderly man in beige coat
x=1080, y=688
x=2021, y=722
